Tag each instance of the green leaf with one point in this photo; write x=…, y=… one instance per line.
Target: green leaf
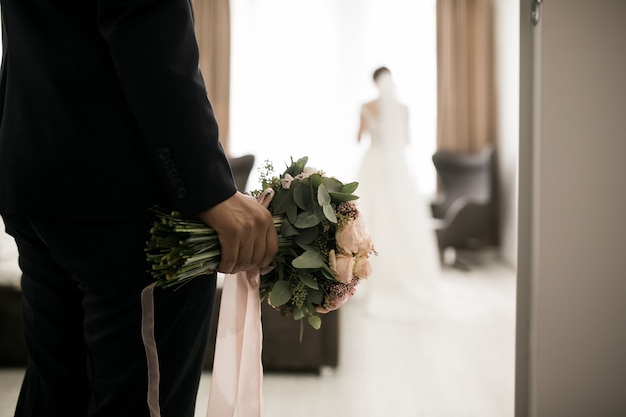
x=315, y=322
x=287, y=229
x=329, y=212
x=309, y=281
x=333, y=184
x=297, y=167
x=310, y=259
x=349, y=188
x=307, y=236
x=319, y=212
x=281, y=293
x=339, y=197
x=298, y=313
x=328, y=274
x=302, y=195
x=316, y=180
x=314, y=297
x=281, y=201
x=306, y=219
x=322, y=195
x=292, y=212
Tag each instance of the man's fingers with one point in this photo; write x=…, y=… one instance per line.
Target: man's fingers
x=271, y=248
x=229, y=255
x=246, y=233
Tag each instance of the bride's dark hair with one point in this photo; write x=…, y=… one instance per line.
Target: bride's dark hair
x=379, y=71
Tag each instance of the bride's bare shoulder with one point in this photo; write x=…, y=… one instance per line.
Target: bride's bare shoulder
x=370, y=107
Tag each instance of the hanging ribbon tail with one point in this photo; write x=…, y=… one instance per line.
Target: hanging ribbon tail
x=237, y=377
x=147, y=334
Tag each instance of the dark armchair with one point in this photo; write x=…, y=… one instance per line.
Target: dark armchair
x=241, y=167
x=465, y=208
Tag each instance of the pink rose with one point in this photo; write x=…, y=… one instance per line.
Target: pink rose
x=342, y=266
x=351, y=239
x=337, y=302
x=362, y=267
x=286, y=181
x=366, y=246
x=348, y=238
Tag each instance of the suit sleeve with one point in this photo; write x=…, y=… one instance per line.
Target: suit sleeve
x=154, y=51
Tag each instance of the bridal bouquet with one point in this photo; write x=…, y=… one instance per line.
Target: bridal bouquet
x=323, y=248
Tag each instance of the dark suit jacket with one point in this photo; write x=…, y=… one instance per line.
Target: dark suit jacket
x=103, y=111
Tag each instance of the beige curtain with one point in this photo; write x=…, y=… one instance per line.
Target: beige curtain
x=465, y=75
x=212, y=23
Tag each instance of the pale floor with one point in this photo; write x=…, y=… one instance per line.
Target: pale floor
x=450, y=365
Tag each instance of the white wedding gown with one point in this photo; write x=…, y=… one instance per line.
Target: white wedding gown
x=405, y=282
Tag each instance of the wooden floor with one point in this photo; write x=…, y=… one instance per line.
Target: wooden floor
x=438, y=365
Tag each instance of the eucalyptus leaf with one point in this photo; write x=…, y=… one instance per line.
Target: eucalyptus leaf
x=340, y=197
x=281, y=293
x=308, y=260
x=306, y=219
x=302, y=195
x=287, y=229
x=316, y=180
x=349, y=188
x=307, y=236
x=281, y=201
x=298, y=313
x=329, y=212
x=319, y=212
x=333, y=184
x=292, y=212
x=315, y=322
x=309, y=281
x=315, y=297
x=322, y=195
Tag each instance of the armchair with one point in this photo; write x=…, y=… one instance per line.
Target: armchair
x=465, y=209
x=241, y=167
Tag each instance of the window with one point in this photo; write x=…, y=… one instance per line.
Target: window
x=301, y=70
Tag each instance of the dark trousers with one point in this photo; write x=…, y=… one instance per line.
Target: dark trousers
x=81, y=306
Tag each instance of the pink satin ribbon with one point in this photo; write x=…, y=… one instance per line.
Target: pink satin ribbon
x=237, y=378
x=147, y=334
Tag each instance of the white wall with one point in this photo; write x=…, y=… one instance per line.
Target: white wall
x=572, y=270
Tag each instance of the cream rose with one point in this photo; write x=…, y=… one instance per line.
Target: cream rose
x=348, y=238
x=366, y=246
x=342, y=266
x=362, y=267
x=308, y=171
x=351, y=240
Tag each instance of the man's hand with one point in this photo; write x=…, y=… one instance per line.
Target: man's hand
x=245, y=231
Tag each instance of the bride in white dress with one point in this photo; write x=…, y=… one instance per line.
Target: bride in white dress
x=406, y=272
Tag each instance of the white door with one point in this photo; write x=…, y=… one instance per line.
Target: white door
x=571, y=332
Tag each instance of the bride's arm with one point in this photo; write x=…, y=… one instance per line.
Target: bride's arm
x=362, y=127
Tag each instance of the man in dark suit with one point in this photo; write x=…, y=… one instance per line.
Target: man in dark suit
x=103, y=114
